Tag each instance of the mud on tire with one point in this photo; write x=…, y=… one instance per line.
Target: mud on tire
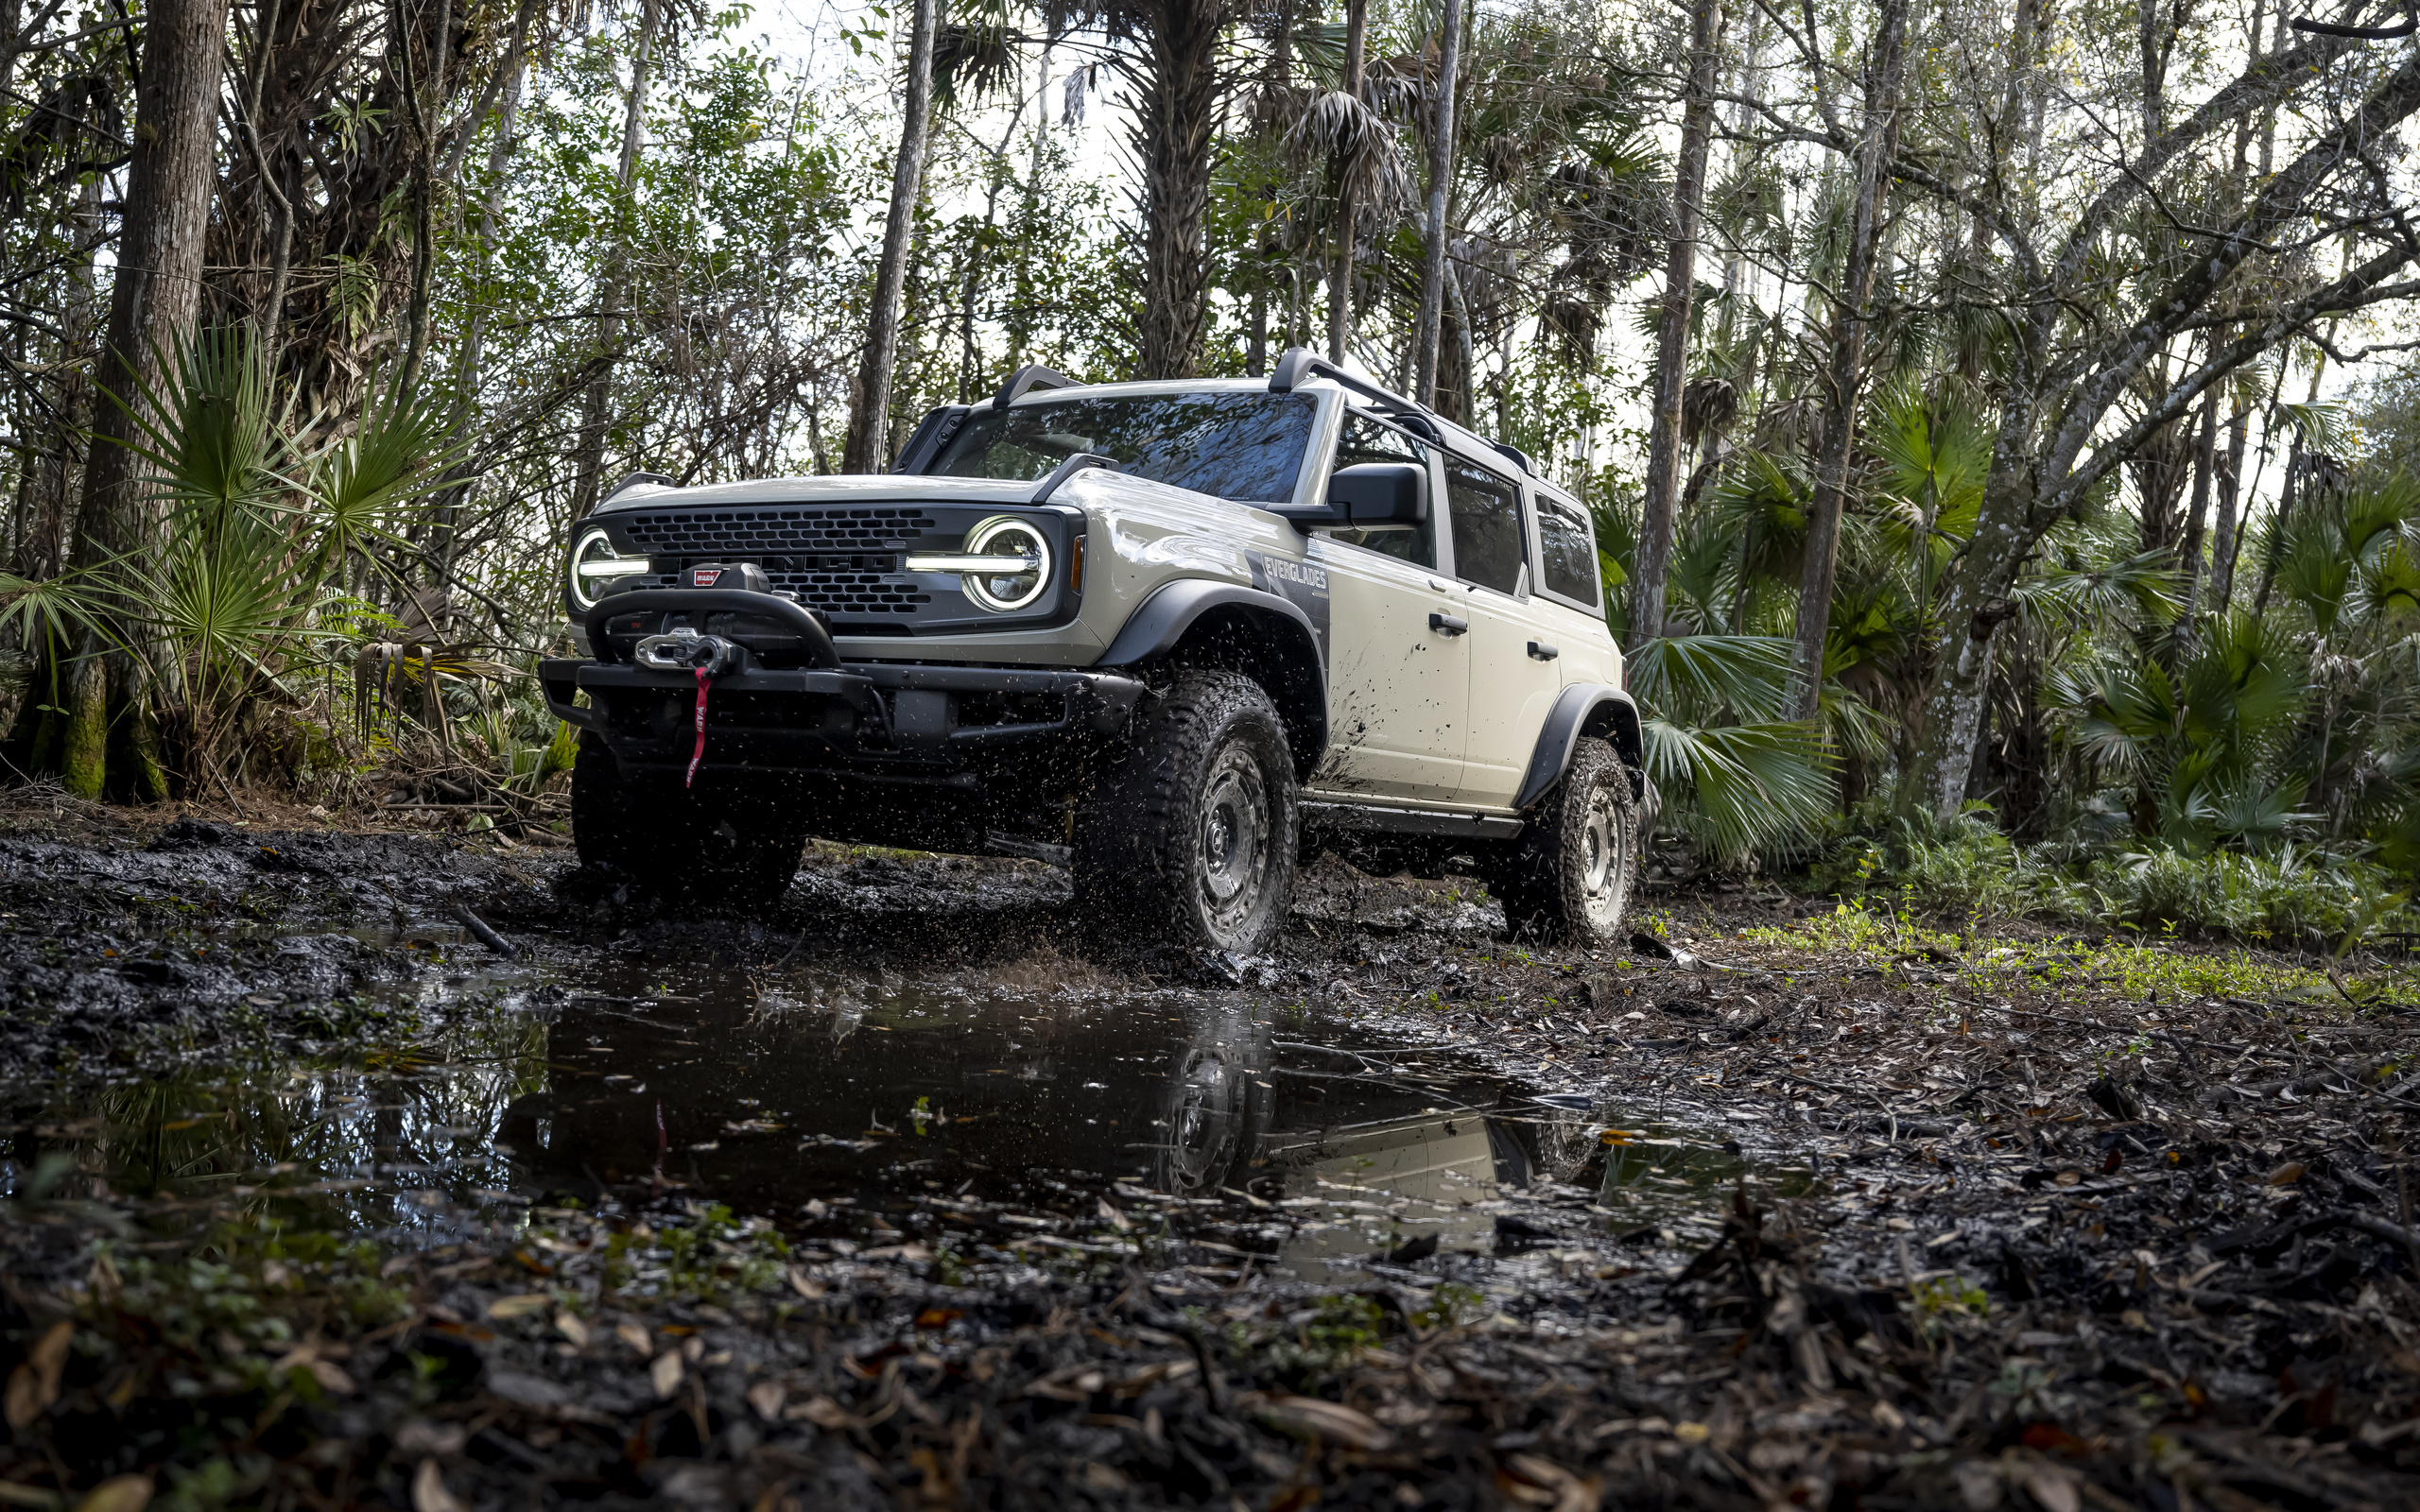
x=1190, y=833
x=1569, y=875
x=681, y=842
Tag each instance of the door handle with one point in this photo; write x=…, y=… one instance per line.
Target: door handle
x=1542, y=651
x=1448, y=623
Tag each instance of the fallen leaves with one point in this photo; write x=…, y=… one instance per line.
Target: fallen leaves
x=119, y=1493
x=505, y=1308
x=34, y=1385
x=1539, y=1482
x=306, y=1356
x=765, y=1399
x=429, y=1493
x=1316, y=1418
x=666, y=1372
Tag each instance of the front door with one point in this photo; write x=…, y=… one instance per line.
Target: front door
x=1398, y=680
x=1513, y=680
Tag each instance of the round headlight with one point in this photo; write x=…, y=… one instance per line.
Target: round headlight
x=1007, y=536
x=596, y=567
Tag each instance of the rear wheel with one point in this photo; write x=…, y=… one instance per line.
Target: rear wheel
x=1191, y=834
x=681, y=841
x=1568, y=876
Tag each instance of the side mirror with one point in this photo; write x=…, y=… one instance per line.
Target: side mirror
x=1368, y=495
x=1381, y=494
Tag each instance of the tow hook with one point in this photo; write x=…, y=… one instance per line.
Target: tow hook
x=685, y=650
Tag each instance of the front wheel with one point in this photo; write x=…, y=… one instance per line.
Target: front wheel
x=680, y=841
x=1569, y=874
x=1191, y=832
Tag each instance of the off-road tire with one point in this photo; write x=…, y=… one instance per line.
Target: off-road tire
x=681, y=842
x=1190, y=833
x=1568, y=876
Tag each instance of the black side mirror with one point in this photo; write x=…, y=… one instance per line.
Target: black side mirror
x=1367, y=494
x=1381, y=494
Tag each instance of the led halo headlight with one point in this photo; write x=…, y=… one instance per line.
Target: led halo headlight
x=1007, y=536
x=596, y=566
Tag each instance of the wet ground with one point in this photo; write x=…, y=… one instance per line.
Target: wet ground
x=917, y=1190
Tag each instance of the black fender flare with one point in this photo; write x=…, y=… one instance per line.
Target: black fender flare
x=1174, y=610
x=1585, y=708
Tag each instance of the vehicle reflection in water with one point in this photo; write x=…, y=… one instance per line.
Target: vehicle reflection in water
x=771, y=1099
x=1016, y=1085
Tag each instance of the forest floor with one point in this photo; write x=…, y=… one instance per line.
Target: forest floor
x=918, y=1192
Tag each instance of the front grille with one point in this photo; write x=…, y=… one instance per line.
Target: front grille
x=843, y=561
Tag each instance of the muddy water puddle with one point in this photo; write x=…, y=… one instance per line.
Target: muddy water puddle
x=1036, y=1086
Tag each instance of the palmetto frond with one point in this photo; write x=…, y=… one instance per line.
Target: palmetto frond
x=1698, y=678
x=1733, y=788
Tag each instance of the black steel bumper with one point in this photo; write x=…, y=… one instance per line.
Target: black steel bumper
x=917, y=722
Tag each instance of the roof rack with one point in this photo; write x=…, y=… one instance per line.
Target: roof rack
x=1033, y=375
x=1301, y=363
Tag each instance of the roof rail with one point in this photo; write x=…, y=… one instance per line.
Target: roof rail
x=1033, y=375
x=1302, y=363
x=635, y=480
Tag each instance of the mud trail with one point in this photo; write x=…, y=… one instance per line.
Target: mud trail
x=920, y=1191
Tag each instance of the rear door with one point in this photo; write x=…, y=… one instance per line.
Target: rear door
x=1568, y=601
x=1513, y=678
x=1397, y=687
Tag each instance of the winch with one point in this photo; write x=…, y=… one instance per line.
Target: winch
x=684, y=648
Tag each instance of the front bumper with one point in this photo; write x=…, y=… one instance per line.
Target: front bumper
x=880, y=721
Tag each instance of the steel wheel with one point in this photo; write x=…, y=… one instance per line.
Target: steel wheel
x=1234, y=850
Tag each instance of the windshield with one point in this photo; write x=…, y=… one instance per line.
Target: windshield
x=1242, y=446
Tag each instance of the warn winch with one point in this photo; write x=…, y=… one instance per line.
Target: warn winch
x=684, y=648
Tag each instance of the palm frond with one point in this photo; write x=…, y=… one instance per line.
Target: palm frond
x=1705, y=675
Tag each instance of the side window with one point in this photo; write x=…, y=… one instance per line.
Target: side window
x=1369, y=441
x=1486, y=511
x=1569, y=570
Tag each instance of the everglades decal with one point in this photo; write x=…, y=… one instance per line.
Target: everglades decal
x=1302, y=584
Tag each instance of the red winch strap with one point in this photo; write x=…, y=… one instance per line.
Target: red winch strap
x=705, y=680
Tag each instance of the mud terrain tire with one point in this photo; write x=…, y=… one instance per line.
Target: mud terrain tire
x=679, y=842
x=1568, y=877
x=1190, y=833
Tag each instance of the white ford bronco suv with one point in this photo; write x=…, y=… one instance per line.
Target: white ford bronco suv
x=1177, y=636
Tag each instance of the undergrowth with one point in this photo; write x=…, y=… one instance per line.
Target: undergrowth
x=1965, y=867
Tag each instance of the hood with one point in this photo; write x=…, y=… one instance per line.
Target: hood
x=883, y=487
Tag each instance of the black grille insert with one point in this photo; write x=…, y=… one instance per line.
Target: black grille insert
x=844, y=561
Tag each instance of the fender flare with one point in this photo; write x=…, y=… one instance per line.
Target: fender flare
x=1160, y=625
x=1584, y=709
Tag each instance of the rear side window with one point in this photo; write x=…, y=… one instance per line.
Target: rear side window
x=1568, y=568
x=1486, y=510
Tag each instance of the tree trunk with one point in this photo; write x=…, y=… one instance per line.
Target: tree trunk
x=2198, y=514
x=1975, y=601
x=1171, y=135
x=423, y=90
x=591, y=461
x=1441, y=174
x=52, y=472
x=154, y=297
x=474, y=352
x=1877, y=146
x=1656, y=520
x=867, y=448
x=1339, y=285
x=1455, y=395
